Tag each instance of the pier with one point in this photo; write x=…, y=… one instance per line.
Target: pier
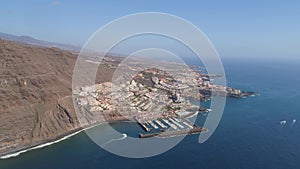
x=170, y=124
x=176, y=123
x=176, y=119
x=152, y=124
x=160, y=124
x=142, y=124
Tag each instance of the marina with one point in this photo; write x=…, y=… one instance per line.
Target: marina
x=152, y=124
x=176, y=123
x=170, y=124
x=160, y=124
x=168, y=127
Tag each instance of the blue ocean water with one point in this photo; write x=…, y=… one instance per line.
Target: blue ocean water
x=249, y=135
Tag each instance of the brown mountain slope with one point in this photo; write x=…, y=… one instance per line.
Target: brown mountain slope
x=35, y=95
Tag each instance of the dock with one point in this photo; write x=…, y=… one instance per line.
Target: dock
x=170, y=124
x=152, y=124
x=143, y=125
x=187, y=124
x=160, y=124
x=176, y=123
x=176, y=119
x=177, y=126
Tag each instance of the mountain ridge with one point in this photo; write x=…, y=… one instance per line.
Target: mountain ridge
x=33, y=41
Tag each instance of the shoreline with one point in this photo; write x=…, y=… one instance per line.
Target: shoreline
x=58, y=139
x=47, y=142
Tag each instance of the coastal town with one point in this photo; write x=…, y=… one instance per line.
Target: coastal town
x=160, y=103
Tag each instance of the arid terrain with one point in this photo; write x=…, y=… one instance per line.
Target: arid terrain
x=35, y=94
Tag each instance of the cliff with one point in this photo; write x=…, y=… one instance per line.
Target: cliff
x=35, y=95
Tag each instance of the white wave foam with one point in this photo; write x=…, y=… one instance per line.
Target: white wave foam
x=44, y=145
x=39, y=146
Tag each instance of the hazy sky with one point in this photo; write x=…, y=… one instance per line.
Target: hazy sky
x=237, y=28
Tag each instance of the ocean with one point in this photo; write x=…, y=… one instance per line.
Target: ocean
x=249, y=135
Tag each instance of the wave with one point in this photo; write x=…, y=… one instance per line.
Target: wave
x=39, y=146
x=45, y=144
x=124, y=136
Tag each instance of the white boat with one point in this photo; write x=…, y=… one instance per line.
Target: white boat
x=283, y=122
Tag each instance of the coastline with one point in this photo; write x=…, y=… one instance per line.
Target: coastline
x=46, y=143
x=16, y=153
x=58, y=139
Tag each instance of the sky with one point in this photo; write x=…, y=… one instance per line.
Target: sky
x=236, y=28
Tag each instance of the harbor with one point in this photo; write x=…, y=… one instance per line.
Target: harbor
x=168, y=127
x=195, y=130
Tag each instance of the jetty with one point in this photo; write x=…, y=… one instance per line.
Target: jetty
x=169, y=133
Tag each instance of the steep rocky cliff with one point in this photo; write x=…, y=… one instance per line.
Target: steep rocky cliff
x=35, y=95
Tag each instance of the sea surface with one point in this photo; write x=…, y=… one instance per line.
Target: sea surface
x=249, y=135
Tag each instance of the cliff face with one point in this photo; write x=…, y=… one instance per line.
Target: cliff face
x=35, y=95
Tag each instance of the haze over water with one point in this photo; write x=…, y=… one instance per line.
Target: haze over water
x=249, y=135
